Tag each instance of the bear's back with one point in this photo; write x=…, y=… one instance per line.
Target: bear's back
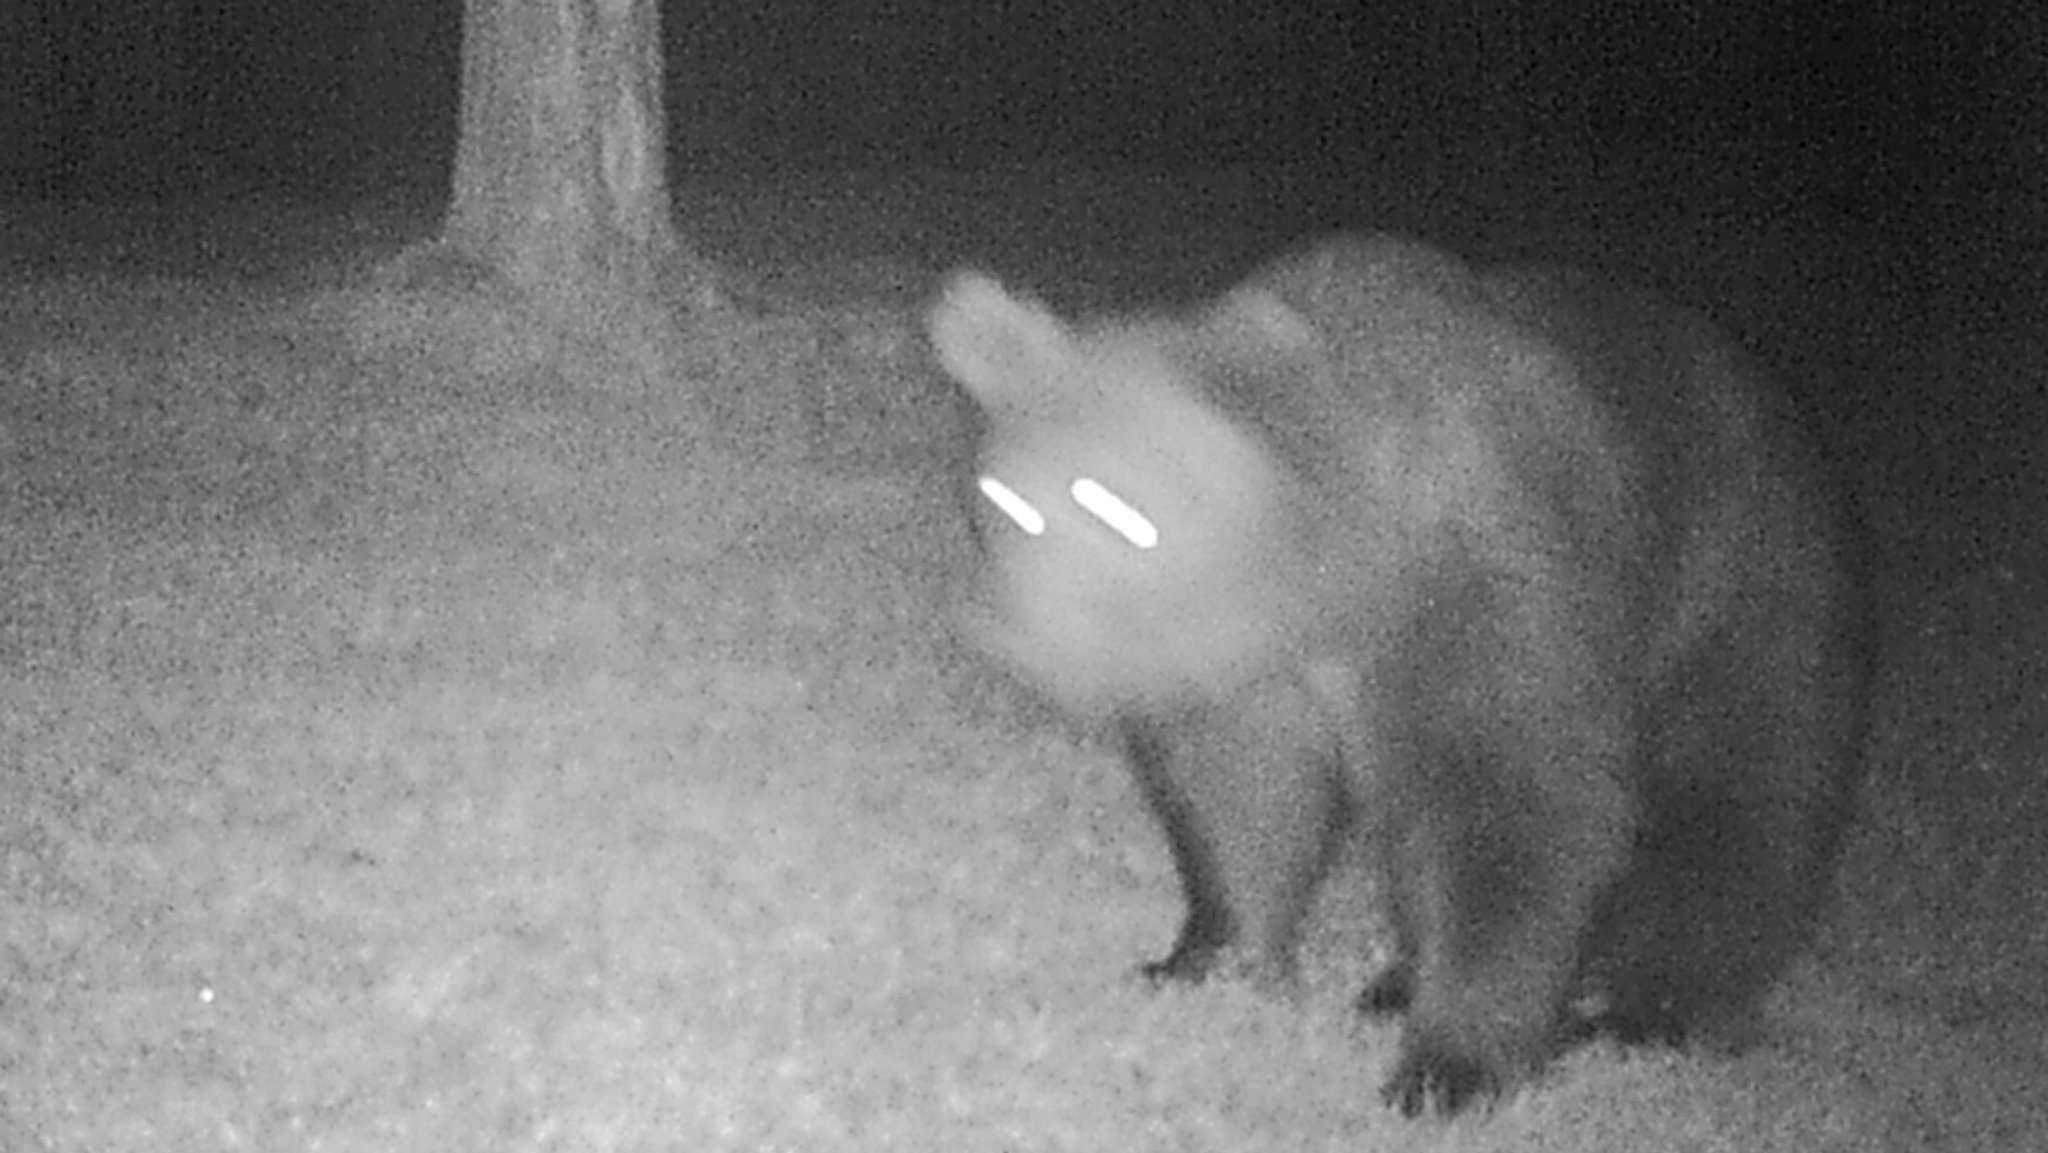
x=1536, y=411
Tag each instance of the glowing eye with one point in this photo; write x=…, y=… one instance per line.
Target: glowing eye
x=1015, y=507
x=1110, y=509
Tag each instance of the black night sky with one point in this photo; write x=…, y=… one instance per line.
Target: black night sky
x=1885, y=109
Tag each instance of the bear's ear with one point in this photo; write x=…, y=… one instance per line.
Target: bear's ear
x=1256, y=321
x=1003, y=349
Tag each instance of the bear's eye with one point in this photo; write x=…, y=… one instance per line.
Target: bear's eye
x=1013, y=505
x=1114, y=511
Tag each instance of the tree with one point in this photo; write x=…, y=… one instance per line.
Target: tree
x=560, y=190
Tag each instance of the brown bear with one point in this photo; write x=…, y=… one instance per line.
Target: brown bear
x=1524, y=580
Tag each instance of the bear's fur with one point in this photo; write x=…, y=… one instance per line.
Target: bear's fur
x=1524, y=579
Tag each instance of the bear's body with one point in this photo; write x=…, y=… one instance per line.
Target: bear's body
x=1524, y=580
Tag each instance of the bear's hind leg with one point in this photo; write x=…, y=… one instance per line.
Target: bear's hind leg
x=1727, y=880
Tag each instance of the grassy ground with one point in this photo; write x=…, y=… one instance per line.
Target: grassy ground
x=402, y=748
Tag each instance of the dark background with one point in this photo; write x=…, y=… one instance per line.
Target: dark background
x=1885, y=108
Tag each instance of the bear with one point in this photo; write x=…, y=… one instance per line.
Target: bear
x=1525, y=584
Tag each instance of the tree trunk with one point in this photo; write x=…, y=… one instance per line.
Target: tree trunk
x=560, y=189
